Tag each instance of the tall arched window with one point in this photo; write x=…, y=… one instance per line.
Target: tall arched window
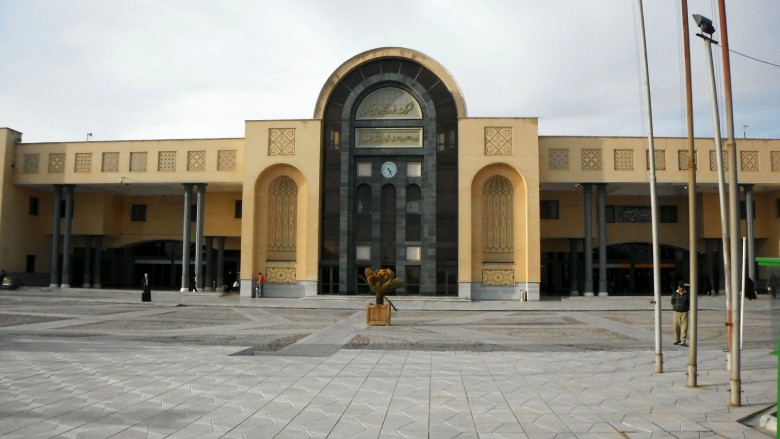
x=282, y=218
x=497, y=217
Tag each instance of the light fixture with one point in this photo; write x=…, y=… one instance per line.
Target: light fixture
x=705, y=24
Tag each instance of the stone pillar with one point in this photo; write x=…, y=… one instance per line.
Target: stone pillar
x=98, y=258
x=601, y=193
x=209, y=244
x=573, y=290
x=185, y=241
x=751, y=239
x=87, y=261
x=54, y=281
x=201, y=200
x=66, y=256
x=221, y=262
x=587, y=191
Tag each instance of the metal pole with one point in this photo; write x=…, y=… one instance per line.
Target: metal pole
x=731, y=146
x=659, y=357
x=692, y=234
x=724, y=222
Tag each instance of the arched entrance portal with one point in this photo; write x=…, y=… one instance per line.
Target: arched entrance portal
x=389, y=178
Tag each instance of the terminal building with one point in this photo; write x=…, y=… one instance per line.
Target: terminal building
x=390, y=171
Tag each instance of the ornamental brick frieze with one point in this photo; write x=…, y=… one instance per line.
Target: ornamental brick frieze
x=281, y=141
x=498, y=141
x=498, y=277
x=281, y=275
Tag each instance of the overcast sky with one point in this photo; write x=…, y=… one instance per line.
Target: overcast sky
x=154, y=69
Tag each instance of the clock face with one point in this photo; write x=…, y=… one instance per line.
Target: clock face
x=389, y=169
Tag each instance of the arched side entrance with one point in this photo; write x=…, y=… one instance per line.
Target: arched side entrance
x=280, y=231
x=499, y=246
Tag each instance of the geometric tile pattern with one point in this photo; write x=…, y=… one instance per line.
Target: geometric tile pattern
x=281, y=275
x=31, y=163
x=282, y=217
x=498, y=277
x=660, y=160
x=749, y=161
x=775, y=161
x=56, y=162
x=714, y=160
x=624, y=159
x=559, y=159
x=682, y=159
x=138, y=161
x=498, y=216
x=167, y=161
x=540, y=387
x=226, y=160
x=591, y=159
x=281, y=141
x=498, y=141
x=83, y=162
x=110, y=162
x=196, y=160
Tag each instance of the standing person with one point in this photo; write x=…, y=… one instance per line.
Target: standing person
x=193, y=284
x=260, y=284
x=146, y=296
x=680, y=305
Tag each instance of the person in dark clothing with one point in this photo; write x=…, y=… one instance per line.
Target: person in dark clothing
x=681, y=305
x=146, y=296
x=193, y=284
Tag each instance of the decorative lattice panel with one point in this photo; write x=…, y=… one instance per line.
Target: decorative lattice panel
x=196, y=160
x=282, y=216
x=226, y=160
x=83, y=162
x=281, y=141
x=591, y=159
x=497, y=216
x=775, y=161
x=498, y=141
x=110, y=162
x=714, y=161
x=166, y=161
x=498, y=277
x=280, y=275
x=31, y=163
x=624, y=159
x=559, y=159
x=682, y=159
x=660, y=159
x=138, y=161
x=748, y=161
x=56, y=162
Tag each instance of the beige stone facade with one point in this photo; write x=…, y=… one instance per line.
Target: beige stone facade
x=477, y=208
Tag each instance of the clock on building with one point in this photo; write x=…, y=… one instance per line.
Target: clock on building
x=389, y=169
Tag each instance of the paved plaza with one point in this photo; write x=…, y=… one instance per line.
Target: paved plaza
x=99, y=363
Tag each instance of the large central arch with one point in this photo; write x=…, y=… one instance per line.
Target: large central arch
x=389, y=188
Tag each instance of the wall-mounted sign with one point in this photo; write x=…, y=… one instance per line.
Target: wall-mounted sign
x=388, y=137
x=389, y=103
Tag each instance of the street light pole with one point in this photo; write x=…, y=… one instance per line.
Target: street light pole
x=659, y=356
x=731, y=147
x=692, y=235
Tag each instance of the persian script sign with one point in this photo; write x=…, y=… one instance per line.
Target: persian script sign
x=389, y=103
x=388, y=137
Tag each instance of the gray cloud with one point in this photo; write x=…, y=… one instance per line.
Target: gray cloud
x=149, y=69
